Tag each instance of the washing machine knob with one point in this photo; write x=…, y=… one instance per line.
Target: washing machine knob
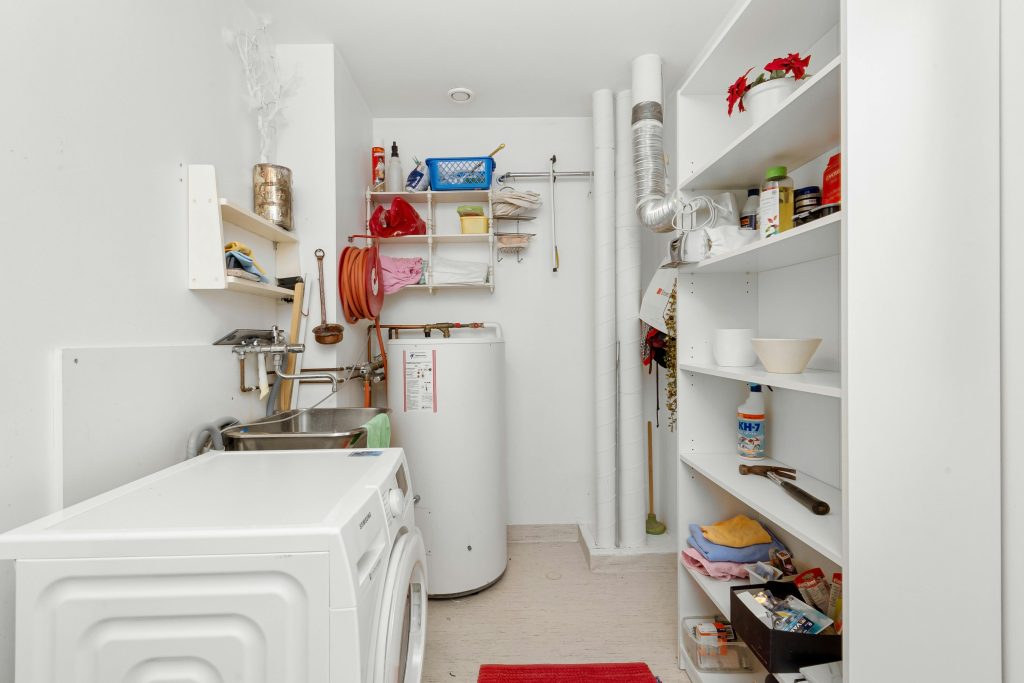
x=396, y=502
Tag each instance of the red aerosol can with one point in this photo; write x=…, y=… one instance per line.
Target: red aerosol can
x=377, y=166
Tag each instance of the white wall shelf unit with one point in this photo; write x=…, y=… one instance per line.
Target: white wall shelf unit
x=805, y=127
x=814, y=240
x=811, y=381
x=432, y=239
x=789, y=285
x=210, y=217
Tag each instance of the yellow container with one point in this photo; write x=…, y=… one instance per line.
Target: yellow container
x=474, y=225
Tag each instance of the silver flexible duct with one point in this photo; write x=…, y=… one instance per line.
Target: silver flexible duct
x=653, y=207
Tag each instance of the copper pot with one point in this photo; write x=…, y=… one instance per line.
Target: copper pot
x=272, y=193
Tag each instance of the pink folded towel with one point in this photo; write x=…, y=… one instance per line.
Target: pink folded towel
x=396, y=273
x=716, y=570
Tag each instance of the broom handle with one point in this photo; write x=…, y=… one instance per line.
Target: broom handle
x=650, y=467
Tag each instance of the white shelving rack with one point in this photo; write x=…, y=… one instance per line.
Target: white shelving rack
x=787, y=286
x=213, y=221
x=433, y=238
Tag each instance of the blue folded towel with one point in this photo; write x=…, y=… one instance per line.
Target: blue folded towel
x=236, y=259
x=723, y=553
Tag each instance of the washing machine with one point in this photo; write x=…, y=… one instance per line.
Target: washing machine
x=265, y=567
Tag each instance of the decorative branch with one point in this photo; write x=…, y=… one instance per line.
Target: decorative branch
x=267, y=91
x=672, y=390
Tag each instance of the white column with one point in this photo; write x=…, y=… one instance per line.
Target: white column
x=632, y=462
x=604, y=318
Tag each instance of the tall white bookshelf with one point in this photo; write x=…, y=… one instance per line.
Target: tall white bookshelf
x=787, y=286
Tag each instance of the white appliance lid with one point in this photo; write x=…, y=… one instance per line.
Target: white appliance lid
x=236, y=494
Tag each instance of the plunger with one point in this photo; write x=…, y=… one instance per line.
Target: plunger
x=654, y=527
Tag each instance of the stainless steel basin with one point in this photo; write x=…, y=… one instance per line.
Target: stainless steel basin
x=317, y=428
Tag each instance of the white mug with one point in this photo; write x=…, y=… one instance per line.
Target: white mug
x=732, y=348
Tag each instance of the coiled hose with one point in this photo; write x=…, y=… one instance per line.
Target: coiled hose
x=358, y=300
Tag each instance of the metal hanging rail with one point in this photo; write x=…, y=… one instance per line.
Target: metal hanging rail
x=512, y=175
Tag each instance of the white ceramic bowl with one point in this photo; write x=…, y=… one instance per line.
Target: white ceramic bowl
x=789, y=356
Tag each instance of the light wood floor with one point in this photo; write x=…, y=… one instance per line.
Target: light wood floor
x=550, y=609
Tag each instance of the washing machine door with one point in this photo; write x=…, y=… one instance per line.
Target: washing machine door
x=402, y=627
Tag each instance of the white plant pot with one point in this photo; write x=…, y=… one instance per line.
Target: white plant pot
x=764, y=99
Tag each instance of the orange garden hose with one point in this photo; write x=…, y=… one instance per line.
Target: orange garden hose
x=360, y=298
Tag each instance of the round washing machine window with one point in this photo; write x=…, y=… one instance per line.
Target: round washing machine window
x=402, y=631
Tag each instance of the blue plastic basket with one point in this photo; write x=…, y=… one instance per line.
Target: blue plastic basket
x=460, y=173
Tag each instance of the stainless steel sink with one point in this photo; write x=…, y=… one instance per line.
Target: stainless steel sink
x=317, y=428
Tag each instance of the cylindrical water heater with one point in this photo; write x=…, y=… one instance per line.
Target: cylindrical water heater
x=447, y=401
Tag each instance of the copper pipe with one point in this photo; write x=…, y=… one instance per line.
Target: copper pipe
x=241, y=376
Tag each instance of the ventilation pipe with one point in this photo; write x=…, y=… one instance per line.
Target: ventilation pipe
x=653, y=208
x=632, y=462
x=604, y=318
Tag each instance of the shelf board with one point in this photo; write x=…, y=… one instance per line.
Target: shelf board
x=806, y=126
x=250, y=222
x=450, y=238
x=823, y=533
x=237, y=284
x=470, y=285
x=696, y=676
x=742, y=41
x=810, y=381
x=437, y=197
x=717, y=591
x=814, y=240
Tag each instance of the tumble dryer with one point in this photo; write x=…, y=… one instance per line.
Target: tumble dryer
x=266, y=567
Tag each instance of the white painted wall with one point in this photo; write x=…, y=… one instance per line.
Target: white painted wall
x=111, y=107
x=1012, y=101
x=547, y=317
x=922, y=359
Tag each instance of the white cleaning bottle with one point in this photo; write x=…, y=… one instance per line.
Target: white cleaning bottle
x=750, y=420
x=395, y=177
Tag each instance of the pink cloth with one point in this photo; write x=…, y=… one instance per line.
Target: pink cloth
x=726, y=571
x=396, y=273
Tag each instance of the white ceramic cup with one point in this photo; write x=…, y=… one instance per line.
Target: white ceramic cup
x=732, y=348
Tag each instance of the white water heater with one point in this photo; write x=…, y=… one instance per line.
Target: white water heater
x=447, y=401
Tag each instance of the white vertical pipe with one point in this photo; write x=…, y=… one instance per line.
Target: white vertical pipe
x=604, y=317
x=632, y=461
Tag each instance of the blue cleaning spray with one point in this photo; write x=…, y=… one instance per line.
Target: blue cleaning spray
x=750, y=421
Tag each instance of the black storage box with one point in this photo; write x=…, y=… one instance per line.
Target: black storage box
x=780, y=651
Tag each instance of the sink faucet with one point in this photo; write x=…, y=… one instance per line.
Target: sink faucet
x=277, y=347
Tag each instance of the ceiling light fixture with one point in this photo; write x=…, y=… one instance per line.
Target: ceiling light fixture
x=460, y=95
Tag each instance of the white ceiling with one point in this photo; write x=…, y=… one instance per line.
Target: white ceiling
x=524, y=58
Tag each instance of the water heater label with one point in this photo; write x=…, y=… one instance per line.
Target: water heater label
x=420, y=370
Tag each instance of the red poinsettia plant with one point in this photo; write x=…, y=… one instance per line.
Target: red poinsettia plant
x=780, y=67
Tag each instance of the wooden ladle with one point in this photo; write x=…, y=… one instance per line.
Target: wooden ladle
x=325, y=333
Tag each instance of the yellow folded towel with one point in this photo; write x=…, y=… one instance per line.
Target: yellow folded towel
x=242, y=249
x=738, y=532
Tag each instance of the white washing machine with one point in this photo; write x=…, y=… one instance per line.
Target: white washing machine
x=262, y=567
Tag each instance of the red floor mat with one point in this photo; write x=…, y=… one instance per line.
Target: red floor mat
x=636, y=672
